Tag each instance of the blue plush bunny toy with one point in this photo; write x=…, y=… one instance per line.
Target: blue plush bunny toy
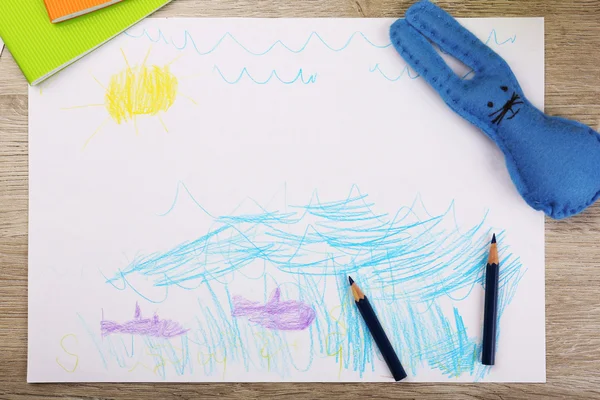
x=554, y=162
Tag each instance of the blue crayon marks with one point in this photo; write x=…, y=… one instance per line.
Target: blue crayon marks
x=314, y=37
x=189, y=42
x=494, y=36
x=405, y=71
x=273, y=75
x=419, y=270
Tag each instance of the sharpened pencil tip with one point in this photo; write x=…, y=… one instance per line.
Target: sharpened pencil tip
x=350, y=280
x=494, y=238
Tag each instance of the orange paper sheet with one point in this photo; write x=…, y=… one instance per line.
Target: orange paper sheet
x=60, y=10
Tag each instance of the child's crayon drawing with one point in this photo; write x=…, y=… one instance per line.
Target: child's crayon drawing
x=214, y=182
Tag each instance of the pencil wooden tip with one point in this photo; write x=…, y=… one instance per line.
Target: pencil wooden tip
x=493, y=256
x=356, y=292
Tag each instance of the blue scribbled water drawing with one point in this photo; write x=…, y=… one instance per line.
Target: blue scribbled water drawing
x=188, y=41
x=299, y=77
x=416, y=267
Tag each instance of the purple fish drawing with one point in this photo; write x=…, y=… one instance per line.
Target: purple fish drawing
x=143, y=326
x=290, y=315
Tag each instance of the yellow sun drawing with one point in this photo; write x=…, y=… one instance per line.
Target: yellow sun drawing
x=137, y=91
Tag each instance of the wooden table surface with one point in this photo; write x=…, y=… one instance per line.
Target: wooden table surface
x=572, y=253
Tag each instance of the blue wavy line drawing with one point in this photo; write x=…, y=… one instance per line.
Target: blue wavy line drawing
x=410, y=262
x=299, y=77
x=406, y=70
x=188, y=40
x=494, y=35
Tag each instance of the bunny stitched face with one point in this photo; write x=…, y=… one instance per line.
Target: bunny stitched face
x=491, y=101
x=504, y=108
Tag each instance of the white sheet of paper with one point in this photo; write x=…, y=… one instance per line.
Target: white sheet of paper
x=199, y=168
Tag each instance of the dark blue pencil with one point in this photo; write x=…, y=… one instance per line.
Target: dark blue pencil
x=490, y=313
x=379, y=336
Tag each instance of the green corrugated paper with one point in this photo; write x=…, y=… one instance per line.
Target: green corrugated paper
x=42, y=48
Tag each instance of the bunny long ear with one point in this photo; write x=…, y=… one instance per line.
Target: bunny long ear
x=443, y=30
x=423, y=58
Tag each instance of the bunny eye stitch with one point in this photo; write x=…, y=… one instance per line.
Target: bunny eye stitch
x=553, y=162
